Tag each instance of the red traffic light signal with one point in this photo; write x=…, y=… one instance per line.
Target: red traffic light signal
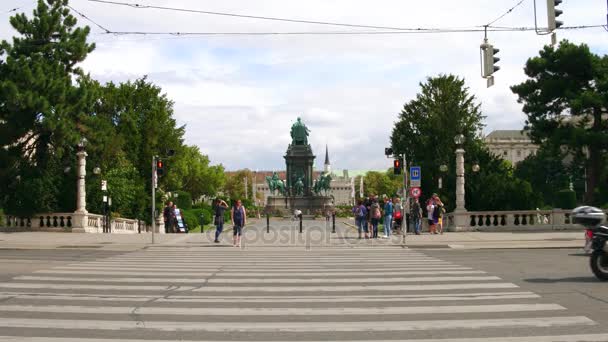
x=397, y=165
x=160, y=167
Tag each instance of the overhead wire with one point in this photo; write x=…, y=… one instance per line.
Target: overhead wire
x=504, y=14
x=89, y=19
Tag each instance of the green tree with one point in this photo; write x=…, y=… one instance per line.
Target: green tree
x=191, y=172
x=428, y=124
x=235, y=185
x=378, y=183
x=565, y=99
x=44, y=98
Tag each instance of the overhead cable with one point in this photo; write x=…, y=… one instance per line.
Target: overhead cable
x=504, y=14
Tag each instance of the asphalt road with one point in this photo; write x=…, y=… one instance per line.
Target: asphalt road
x=365, y=293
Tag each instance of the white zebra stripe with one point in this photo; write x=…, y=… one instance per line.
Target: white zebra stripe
x=298, y=327
x=406, y=310
x=260, y=280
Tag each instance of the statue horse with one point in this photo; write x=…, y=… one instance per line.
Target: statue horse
x=275, y=184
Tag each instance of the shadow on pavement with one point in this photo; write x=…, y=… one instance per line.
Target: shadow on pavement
x=589, y=279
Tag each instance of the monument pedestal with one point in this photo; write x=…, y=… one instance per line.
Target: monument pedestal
x=309, y=205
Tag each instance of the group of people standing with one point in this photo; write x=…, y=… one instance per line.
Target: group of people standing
x=238, y=218
x=370, y=212
x=170, y=218
x=434, y=213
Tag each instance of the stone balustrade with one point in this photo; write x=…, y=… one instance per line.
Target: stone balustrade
x=556, y=219
x=72, y=222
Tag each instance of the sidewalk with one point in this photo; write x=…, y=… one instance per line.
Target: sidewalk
x=345, y=236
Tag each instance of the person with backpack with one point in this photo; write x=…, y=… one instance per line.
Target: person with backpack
x=375, y=215
x=238, y=215
x=360, y=213
x=397, y=214
x=388, y=217
x=416, y=216
x=219, y=208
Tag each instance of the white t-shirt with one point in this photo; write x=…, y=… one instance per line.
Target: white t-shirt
x=430, y=209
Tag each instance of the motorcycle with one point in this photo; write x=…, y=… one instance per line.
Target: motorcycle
x=592, y=219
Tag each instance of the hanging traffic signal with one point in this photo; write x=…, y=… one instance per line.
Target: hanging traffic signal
x=160, y=167
x=552, y=14
x=397, y=166
x=489, y=60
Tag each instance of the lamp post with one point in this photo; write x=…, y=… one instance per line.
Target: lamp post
x=81, y=201
x=460, y=204
x=443, y=168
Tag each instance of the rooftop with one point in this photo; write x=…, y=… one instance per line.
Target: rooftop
x=508, y=134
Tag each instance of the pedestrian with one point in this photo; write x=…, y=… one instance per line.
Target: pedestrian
x=174, y=219
x=360, y=213
x=388, y=217
x=416, y=216
x=397, y=214
x=168, y=213
x=368, y=220
x=376, y=214
x=238, y=215
x=430, y=210
x=439, y=211
x=218, y=218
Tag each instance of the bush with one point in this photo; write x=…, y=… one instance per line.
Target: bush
x=566, y=199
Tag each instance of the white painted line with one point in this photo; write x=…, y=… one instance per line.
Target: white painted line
x=252, y=269
x=438, y=296
x=260, y=280
x=556, y=338
x=240, y=274
x=315, y=288
x=245, y=263
x=93, y=287
x=298, y=327
x=253, y=289
x=407, y=310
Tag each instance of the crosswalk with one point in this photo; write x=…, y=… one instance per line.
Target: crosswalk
x=196, y=293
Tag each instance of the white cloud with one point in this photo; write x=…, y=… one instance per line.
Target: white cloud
x=239, y=95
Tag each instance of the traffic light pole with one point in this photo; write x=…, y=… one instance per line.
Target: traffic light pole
x=153, y=196
x=406, y=201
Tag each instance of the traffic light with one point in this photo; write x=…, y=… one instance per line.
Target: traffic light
x=388, y=151
x=397, y=166
x=160, y=167
x=552, y=14
x=489, y=59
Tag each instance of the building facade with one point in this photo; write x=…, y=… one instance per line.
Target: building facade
x=511, y=145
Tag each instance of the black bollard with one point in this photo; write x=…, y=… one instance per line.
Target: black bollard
x=333, y=222
x=300, y=223
x=267, y=222
x=202, y=223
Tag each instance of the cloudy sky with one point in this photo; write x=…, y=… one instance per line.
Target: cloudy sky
x=238, y=95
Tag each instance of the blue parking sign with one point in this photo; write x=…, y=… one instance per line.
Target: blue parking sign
x=415, y=174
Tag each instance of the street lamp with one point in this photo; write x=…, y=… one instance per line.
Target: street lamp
x=460, y=204
x=443, y=168
x=81, y=202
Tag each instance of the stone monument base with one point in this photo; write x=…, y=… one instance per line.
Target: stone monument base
x=309, y=205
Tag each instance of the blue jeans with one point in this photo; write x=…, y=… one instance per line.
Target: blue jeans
x=218, y=230
x=388, y=219
x=361, y=225
x=416, y=223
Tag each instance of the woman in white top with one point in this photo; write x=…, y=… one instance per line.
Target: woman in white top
x=430, y=208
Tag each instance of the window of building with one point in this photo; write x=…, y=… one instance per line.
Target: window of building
x=519, y=153
x=505, y=153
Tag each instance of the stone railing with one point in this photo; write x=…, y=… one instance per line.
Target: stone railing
x=72, y=222
x=43, y=222
x=556, y=219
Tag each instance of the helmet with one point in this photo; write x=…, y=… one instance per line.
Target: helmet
x=588, y=216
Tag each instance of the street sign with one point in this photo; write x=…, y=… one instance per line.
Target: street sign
x=415, y=176
x=415, y=192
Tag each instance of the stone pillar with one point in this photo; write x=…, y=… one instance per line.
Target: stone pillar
x=460, y=205
x=80, y=219
x=81, y=172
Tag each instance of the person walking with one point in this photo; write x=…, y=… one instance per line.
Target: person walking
x=360, y=213
x=416, y=216
x=368, y=219
x=430, y=210
x=397, y=214
x=388, y=217
x=376, y=214
x=168, y=214
x=218, y=218
x=238, y=216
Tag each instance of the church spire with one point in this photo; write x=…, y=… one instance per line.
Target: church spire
x=327, y=168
